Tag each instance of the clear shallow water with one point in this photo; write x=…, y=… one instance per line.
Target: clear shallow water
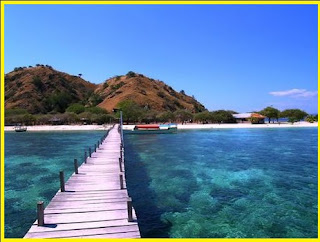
x=32, y=164
x=253, y=183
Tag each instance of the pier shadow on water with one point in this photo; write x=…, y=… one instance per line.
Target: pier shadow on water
x=143, y=198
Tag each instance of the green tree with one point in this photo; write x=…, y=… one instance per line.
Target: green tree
x=183, y=115
x=43, y=118
x=68, y=118
x=131, y=111
x=166, y=117
x=150, y=116
x=59, y=101
x=311, y=118
x=203, y=117
x=293, y=115
x=222, y=116
x=102, y=118
x=85, y=117
x=270, y=112
x=28, y=119
x=75, y=108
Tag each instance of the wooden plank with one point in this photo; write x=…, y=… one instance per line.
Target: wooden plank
x=75, y=226
x=96, y=207
x=62, y=199
x=114, y=236
x=93, y=205
x=85, y=232
x=92, y=195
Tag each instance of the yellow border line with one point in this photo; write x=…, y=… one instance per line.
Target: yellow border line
x=3, y=3
x=163, y=2
x=318, y=120
x=2, y=121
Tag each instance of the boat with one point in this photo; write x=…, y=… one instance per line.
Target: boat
x=20, y=128
x=152, y=129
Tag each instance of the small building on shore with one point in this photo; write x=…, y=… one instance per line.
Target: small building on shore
x=55, y=121
x=255, y=118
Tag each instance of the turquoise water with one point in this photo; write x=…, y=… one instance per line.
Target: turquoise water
x=238, y=183
x=210, y=183
x=32, y=164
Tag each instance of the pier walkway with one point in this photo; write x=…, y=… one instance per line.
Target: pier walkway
x=95, y=202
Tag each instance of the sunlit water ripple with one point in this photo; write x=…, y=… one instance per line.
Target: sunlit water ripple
x=225, y=183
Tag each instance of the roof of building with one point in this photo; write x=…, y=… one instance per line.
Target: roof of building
x=248, y=115
x=242, y=115
x=257, y=115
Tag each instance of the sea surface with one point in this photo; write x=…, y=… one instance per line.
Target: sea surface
x=32, y=164
x=238, y=183
x=230, y=183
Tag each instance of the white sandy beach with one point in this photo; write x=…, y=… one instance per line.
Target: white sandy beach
x=61, y=127
x=180, y=126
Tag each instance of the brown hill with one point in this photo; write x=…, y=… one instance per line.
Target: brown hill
x=147, y=92
x=42, y=89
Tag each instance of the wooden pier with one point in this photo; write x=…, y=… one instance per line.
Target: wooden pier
x=94, y=202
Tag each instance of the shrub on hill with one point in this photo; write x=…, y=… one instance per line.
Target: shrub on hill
x=117, y=86
x=37, y=82
x=15, y=111
x=58, y=102
x=95, y=99
x=105, y=85
x=131, y=74
x=96, y=110
x=76, y=108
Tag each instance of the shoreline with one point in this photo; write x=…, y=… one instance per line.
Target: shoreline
x=37, y=128
x=180, y=126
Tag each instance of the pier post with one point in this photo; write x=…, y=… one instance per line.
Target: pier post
x=85, y=157
x=95, y=147
x=90, y=152
x=120, y=165
x=40, y=213
x=98, y=144
x=62, y=181
x=121, y=182
x=129, y=208
x=75, y=166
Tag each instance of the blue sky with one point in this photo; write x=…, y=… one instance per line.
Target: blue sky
x=239, y=57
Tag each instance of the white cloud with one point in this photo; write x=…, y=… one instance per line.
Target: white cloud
x=307, y=94
x=294, y=93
